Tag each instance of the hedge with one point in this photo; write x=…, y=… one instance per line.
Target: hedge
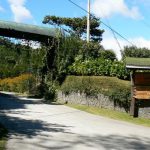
x=117, y=90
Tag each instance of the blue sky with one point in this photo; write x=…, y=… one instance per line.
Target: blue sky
x=131, y=18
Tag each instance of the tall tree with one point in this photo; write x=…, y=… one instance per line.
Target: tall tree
x=77, y=26
x=17, y=58
x=133, y=51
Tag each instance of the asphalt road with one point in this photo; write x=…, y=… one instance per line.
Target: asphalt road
x=36, y=126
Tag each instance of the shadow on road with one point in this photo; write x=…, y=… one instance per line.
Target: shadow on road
x=10, y=104
x=30, y=128
x=115, y=142
x=111, y=142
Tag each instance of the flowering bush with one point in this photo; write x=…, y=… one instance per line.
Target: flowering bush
x=99, y=67
x=20, y=84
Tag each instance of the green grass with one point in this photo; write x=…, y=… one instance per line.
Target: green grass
x=3, y=133
x=112, y=114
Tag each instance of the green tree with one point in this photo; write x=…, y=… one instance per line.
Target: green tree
x=77, y=25
x=108, y=54
x=90, y=50
x=17, y=59
x=136, y=52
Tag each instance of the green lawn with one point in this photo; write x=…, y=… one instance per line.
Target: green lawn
x=3, y=133
x=112, y=114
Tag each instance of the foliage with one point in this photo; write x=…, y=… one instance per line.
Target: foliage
x=10, y=53
x=136, y=52
x=117, y=90
x=108, y=54
x=99, y=67
x=59, y=55
x=50, y=94
x=17, y=59
x=78, y=26
x=89, y=50
x=94, y=50
x=21, y=84
x=65, y=54
x=18, y=62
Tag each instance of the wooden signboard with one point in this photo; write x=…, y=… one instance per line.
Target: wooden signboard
x=142, y=78
x=140, y=91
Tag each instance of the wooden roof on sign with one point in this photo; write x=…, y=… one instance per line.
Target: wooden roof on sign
x=138, y=63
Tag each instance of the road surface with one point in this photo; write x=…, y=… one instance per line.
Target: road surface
x=36, y=126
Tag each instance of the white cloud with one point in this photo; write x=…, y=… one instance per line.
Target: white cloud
x=110, y=43
x=106, y=8
x=20, y=12
x=141, y=42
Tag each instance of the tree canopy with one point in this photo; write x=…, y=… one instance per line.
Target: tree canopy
x=133, y=51
x=17, y=58
x=77, y=25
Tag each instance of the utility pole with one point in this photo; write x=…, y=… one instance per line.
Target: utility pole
x=88, y=23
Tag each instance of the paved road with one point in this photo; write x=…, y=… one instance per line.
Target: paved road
x=36, y=126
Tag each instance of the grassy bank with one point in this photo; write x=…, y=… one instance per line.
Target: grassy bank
x=3, y=133
x=117, y=90
x=112, y=114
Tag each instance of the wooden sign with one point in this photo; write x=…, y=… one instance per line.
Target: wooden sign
x=142, y=78
x=140, y=91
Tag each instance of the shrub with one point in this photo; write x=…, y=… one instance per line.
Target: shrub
x=20, y=84
x=50, y=94
x=117, y=90
x=99, y=67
